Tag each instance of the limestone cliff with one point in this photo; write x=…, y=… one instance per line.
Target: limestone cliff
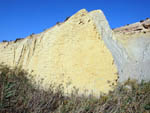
x=72, y=53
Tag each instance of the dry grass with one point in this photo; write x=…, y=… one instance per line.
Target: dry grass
x=18, y=95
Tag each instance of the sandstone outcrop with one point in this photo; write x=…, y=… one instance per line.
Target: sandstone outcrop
x=84, y=53
x=72, y=53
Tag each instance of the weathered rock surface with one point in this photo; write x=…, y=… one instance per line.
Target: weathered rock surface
x=72, y=53
x=83, y=52
x=134, y=59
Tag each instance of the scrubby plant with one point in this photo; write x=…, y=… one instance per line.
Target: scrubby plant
x=31, y=35
x=141, y=21
x=4, y=41
x=17, y=39
x=66, y=18
x=19, y=95
x=58, y=23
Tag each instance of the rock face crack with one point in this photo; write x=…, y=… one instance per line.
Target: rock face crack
x=34, y=46
x=21, y=56
x=14, y=62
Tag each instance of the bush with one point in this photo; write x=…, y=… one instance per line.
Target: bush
x=66, y=18
x=18, y=95
x=5, y=41
x=58, y=23
x=141, y=21
x=17, y=39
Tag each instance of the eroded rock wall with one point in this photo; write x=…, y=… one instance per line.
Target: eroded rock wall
x=83, y=53
x=72, y=53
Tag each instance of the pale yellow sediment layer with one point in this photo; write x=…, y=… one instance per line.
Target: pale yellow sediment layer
x=72, y=54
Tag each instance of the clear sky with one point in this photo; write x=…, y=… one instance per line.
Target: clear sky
x=20, y=18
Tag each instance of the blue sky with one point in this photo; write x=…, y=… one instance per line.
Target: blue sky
x=20, y=18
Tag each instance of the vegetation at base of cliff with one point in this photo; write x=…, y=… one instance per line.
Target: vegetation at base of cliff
x=18, y=95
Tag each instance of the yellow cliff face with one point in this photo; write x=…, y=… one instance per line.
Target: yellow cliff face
x=72, y=54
